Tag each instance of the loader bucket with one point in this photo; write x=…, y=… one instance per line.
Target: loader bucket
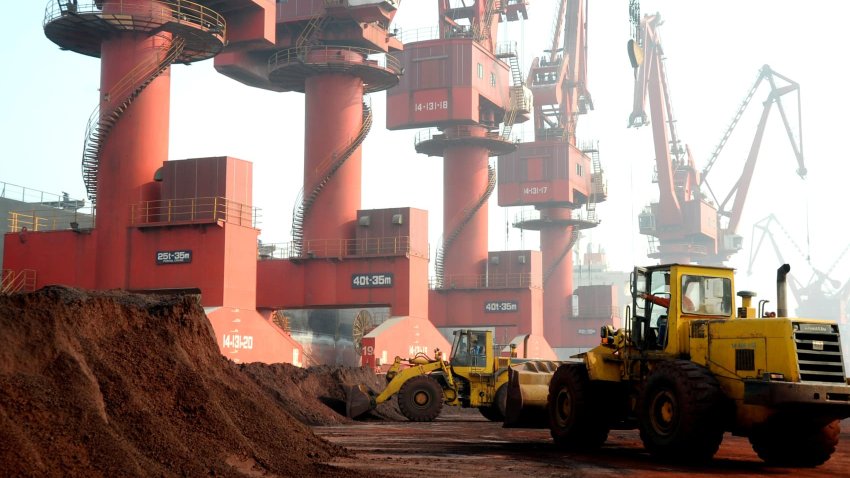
x=358, y=401
x=528, y=391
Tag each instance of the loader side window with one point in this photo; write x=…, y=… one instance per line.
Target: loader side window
x=707, y=296
x=462, y=350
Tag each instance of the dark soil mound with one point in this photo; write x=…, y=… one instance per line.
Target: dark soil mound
x=119, y=384
x=316, y=395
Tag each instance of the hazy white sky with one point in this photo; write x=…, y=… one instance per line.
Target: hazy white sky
x=714, y=51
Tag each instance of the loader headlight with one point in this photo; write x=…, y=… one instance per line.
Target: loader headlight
x=774, y=377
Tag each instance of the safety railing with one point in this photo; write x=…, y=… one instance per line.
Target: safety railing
x=193, y=211
x=160, y=11
x=435, y=134
x=41, y=220
x=22, y=281
x=322, y=55
x=417, y=34
x=526, y=215
x=30, y=195
x=485, y=281
x=340, y=248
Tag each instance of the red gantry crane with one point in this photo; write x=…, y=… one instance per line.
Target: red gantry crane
x=685, y=225
x=552, y=173
x=457, y=83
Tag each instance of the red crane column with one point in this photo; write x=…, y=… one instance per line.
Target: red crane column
x=333, y=116
x=134, y=150
x=127, y=136
x=465, y=189
x=554, y=175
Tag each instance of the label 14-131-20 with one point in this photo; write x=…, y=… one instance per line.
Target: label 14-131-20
x=379, y=279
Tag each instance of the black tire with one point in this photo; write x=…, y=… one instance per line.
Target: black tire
x=785, y=442
x=680, y=412
x=420, y=399
x=495, y=412
x=576, y=419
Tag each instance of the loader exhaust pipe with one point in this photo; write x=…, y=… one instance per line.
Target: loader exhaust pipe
x=781, y=290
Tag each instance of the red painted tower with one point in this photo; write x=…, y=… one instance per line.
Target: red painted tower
x=161, y=226
x=457, y=83
x=127, y=136
x=342, y=261
x=552, y=173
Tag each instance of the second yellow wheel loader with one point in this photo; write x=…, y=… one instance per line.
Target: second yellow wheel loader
x=473, y=377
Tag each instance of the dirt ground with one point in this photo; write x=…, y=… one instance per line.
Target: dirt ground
x=109, y=384
x=467, y=445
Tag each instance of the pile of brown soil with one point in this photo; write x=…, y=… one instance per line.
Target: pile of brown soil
x=316, y=395
x=120, y=384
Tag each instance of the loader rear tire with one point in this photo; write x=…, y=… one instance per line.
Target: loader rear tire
x=680, y=412
x=788, y=442
x=576, y=420
x=420, y=399
x=495, y=412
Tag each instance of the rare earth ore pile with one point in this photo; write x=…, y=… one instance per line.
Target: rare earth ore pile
x=316, y=395
x=120, y=384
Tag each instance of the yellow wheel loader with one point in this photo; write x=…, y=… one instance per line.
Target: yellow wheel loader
x=688, y=367
x=473, y=377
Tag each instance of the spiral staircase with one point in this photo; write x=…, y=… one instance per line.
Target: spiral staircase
x=467, y=215
x=331, y=165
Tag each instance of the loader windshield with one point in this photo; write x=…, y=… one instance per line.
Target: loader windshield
x=468, y=349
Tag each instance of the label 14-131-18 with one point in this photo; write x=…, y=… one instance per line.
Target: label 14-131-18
x=431, y=106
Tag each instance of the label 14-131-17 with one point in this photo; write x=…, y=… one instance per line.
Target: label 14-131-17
x=379, y=279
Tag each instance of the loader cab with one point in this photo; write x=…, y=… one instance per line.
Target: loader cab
x=662, y=295
x=469, y=348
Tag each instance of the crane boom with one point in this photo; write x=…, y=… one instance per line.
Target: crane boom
x=558, y=78
x=738, y=193
x=682, y=222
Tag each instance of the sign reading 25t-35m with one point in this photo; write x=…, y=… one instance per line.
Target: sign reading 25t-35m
x=372, y=279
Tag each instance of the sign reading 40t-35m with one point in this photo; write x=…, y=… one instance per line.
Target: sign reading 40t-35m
x=371, y=279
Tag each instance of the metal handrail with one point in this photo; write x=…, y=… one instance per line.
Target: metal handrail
x=193, y=211
x=340, y=248
x=165, y=10
x=332, y=56
x=13, y=192
x=51, y=220
x=11, y=282
x=417, y=34
x=535, y=215
x=485, y=281
x=434, y=133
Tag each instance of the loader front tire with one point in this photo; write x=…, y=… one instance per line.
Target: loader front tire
x=576, y=421
x=680, y=412
x=420, y=399
x=790, y=442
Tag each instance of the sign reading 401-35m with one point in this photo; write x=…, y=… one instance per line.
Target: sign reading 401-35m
x=371, y=279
